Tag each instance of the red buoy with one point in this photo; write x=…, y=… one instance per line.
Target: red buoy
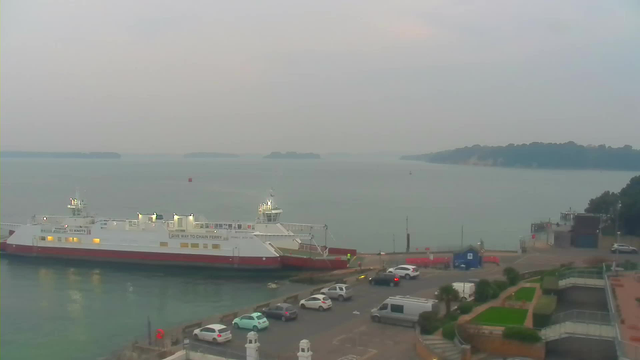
x=159, y=334
x=190, y=180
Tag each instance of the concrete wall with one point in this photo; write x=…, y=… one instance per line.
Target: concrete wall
x=606, y=241
x=181, y=355
x=496, y=345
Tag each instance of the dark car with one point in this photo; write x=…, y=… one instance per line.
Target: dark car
x=282, y=311
x=385, y=279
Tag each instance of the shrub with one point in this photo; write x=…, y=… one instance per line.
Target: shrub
x=429, y=322
x=545, y=306
x=500, y=285
x=465, y=307
x=449, y=331
x=512, y=275
x=484, y=291
x=520, y=333
x=452, y=316
x=549, y=285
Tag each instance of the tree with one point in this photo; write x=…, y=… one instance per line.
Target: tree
x=605, y=204
x=512, y=275
x=448, y=293
x=629, y=215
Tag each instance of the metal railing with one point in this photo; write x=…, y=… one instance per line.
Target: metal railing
x=578, y=329
x=581, y=273
x=626, y=350
x=582, y=316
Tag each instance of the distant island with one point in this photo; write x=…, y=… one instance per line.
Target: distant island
x=292, y=155
x=568, y=155
x=59, y=155
x=210, y=155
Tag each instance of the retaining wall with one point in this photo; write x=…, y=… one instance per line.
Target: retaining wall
x=496, y=345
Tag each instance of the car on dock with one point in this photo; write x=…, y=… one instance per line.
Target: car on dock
x=405, y=271
x=384, y=279
x=215, y=332
x=341, y=292
x=320, y=302
x=623, y=249
x=255, y=322
x=282, y=311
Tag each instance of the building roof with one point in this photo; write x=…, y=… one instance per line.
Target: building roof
x=469, y=247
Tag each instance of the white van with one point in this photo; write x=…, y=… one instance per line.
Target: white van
x=403, y=309
x=466, y=290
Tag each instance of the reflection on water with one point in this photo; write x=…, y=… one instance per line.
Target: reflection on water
x=63, y=315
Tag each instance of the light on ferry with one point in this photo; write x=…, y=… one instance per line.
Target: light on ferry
x=44, y=218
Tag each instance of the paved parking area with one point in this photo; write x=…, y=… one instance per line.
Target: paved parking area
x=346, y=332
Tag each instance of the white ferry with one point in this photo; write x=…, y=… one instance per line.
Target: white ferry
x=180, y=240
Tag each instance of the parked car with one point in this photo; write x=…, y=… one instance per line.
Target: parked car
x=338, y=291
x=385, y=279
x=214, y=332
x=405, y=271
x=403, y=309
x=320, y=302
x=282, y=311
x=255, y=322
x=623, y=249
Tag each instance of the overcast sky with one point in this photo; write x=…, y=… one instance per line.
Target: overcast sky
x=357, y=76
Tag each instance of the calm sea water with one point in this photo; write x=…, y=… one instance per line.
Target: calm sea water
x=79, y=311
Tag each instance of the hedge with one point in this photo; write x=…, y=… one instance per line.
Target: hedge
x=429, y=322
x=545, y=306
x=465, y=307
x=449, y=331
x=520, y=333
x=500, y=285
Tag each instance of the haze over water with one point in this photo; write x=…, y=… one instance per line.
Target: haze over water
x=83, y=311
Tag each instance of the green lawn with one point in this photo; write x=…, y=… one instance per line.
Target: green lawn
x=501, y=316
x=525, y=293
x=534, y=281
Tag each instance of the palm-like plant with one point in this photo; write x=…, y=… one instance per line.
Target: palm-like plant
x=448, y=293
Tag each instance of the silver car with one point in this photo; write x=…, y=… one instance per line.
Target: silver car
x=338, y=291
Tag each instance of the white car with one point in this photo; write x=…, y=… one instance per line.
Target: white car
x=320, y=302
x=623, y=249
x=405, y=271
x=214, y=332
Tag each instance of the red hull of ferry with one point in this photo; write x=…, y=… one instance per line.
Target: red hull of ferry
x=141, y=257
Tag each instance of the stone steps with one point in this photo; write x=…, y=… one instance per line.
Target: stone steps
x=446, y=349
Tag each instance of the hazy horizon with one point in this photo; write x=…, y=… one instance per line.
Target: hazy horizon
x=406, y=77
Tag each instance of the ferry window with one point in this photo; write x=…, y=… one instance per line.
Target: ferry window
x=59, y=239
x=204, y=246
x=184, y=245
x=69, y=239
x=49, y=238
x=180, y=221
x=75, y=239
x=215, y=246
x=195, y=245
x=239, y=226
x=96, y=241
x=164, y=243
x=397, y=308
x=42, y=238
